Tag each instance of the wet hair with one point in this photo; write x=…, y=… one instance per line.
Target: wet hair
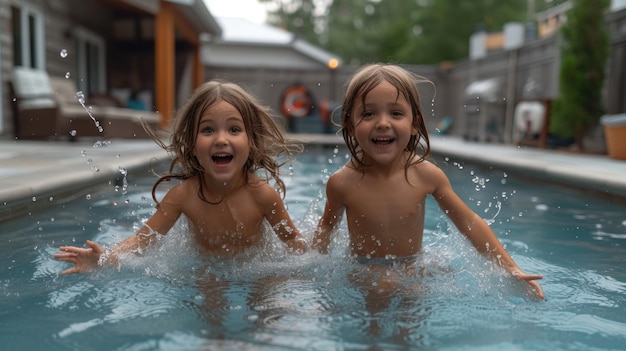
x=365, y=80
x=269, y=149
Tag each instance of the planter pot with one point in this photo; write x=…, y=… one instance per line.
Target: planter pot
x=615, y=135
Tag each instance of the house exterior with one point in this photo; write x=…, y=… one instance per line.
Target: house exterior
x=550, y=21
x=526, y=71
x=114, y=47
x=296, y=79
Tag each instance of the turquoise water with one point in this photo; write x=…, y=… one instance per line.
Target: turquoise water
x=172, y=299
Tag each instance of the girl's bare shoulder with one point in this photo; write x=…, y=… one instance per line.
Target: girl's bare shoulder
x=424, y=166
x=346, y=173
x=260, y=189
x=181, y=190
x=344, y=180
x=427, y=172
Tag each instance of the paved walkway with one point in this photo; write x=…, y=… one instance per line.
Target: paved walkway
x=36, y=174
x=586, y=171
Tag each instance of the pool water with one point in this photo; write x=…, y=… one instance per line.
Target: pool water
x=173, y=299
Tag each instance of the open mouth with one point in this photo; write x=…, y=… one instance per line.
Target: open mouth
x=222, y=159
x=383, y=141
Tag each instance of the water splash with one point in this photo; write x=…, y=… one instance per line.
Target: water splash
x=80, y=96
x=101, y=143
x=124, y=174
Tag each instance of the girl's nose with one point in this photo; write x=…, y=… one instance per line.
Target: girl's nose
x=383, y=121
x=221, y=138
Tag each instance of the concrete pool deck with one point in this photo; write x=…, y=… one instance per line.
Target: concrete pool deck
x=38, y=174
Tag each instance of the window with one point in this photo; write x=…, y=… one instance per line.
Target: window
x=90, y=57
x=28, y=37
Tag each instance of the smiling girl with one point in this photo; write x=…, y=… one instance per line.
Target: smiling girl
x=383, y=187
x=223, y=136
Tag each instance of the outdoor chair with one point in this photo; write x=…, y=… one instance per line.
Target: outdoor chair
x=52, y=108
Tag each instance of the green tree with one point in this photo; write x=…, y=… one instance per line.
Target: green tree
x=447, y=26
x=400, y=31
x=355, y=30
x=413, y=32
x=584, y=52
x=297, y=17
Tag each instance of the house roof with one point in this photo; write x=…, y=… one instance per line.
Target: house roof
x=199, y=15
x=266, y=46
x=241, y=30
x=195, y=11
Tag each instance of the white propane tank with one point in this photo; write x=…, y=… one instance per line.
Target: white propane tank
x=529, y=117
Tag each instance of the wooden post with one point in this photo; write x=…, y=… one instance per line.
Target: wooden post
x=165, y=59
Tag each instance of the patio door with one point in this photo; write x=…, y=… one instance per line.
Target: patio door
x=28, y=37
x=27, y=31
x=90, y=58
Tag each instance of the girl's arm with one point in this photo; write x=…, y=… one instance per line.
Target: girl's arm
x=276, y=214
x=90, y=258
x=476, y=228
x=333, y=212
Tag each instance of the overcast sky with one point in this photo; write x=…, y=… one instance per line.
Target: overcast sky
x=249, y=9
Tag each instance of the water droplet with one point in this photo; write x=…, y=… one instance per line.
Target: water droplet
x=73, y=132
x=67, y=75
x=64, y=53
x=88, y=196
x=34, y=198
x=81, y=97
x=124, y=173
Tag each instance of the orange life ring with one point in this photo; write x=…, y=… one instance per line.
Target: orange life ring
x=296, y=102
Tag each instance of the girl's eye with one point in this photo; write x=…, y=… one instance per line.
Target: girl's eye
x=235, y=130
x=206, y=130
x=368, y=114
x=397, y=113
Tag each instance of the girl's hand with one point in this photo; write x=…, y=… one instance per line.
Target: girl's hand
x=530, y=279
x=298, y=245
x=84, y=259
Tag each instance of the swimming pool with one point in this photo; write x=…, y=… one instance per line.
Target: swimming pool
x=174, y=300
